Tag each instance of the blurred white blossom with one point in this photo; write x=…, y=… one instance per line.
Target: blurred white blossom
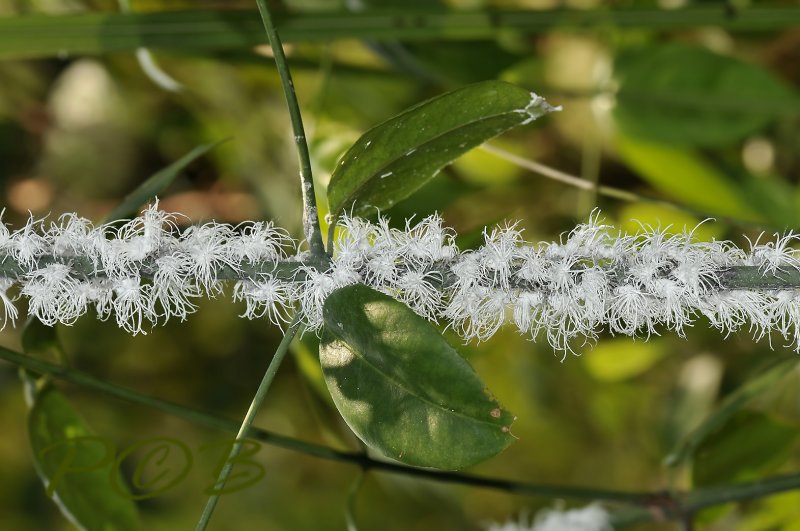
x=590, y=518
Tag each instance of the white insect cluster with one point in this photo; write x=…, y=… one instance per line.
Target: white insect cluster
x=148, y=270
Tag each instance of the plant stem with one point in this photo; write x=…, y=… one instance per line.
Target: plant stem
x=350, y=507
x=359, y=459
x=311, y=228
x=195, y=416
x=644, y=501
x=244, y=429
x=291, y=270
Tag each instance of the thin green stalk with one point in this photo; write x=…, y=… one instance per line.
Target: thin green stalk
x=311, y=228
x=195, y=416
x=244, y=430
x=350, y=507
x=360, y=459
x=645, y=502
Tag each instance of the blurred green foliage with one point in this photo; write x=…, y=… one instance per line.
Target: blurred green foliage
x=706, y=118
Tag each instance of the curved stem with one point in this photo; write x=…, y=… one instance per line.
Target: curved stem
x=311, y=228
x=244, y=430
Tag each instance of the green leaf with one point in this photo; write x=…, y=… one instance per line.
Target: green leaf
x=686, y=177
x=402, y=389
x=463, y=62
x=77, y=468
x=730, y=407
x=749, y=445
x=157, y=183
x=394, y=159
x=690, y=96
x=619, y=359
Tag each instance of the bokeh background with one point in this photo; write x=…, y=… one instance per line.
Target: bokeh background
x=699, y=121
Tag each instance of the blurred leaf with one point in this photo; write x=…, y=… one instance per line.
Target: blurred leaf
x=481, y=167
x=402, y=389
x=434, y=197
x=690, y=96
x=306, y=354
x=772, y=198
x=781, y=400
x=42, y=341
x=729, y=408
x=77, y=467
x=463, y=62
x=686, y=177
x=394, y=159
x=634, y=216
x=749, y=444
x=618, y=359
x=780, y=511
x=157, y=183
x=209, y=29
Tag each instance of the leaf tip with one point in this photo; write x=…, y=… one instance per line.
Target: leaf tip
x=538, y=107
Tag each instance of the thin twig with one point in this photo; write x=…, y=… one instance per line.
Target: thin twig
x=244, y=430
x=360, y=459
x=649, y=505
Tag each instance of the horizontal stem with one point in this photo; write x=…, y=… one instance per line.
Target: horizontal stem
x=755, y=278
x=289, y=443
x=649, y=506
x=291, y=269
x=32, y=36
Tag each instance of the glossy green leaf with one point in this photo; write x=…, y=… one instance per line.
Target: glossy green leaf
x=78, y=469
x=157, y=183
x=729, y=408
x=394, y=159
x=749, y=445
x=402, y=389
x=690, y=96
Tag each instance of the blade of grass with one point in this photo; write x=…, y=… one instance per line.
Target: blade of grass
x=157, y=183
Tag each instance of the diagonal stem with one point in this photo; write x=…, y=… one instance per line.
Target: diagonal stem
x=311, y=228
x=244, y=430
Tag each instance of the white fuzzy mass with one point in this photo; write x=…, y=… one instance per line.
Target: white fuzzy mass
x=147, y=270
